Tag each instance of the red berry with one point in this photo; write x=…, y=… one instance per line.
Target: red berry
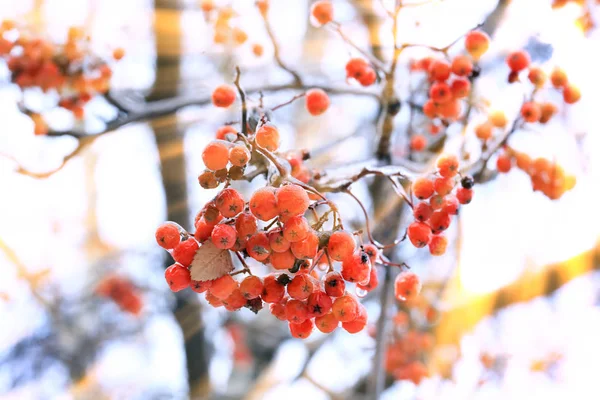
x=571, y=94
x=443, y=186
x=168, y=235
x=235, y=301
x=477, y=43
x=334, y=284
x=439, y=221
x=306, y=248
x=440, y=92
x=423, y=188
x=357, y=268
x=239, y=155
x=296, y=311
x=464, y=196
x=462, y=65
x=345, y=308
x=559, y=78
x=178, y=277
x=439, y=70
x=447, y=165
x=504, y=163
x=438, y=245
x=450, y=205
x=185, y=251
x=407, y=286
x=422, y=211
x=296, y=229
x=322, y=12
x=283, y=260
x=326, y=323
x=373, y=281
x=200, y=286
x=278, y=242
x=213, y=301
x=263, y=204
x=223, y=96
x=418, y=143
x=246, y=224
x=292, y=200
x=368, y=77
x=302, y=330
x=319, y=304
x=278, y=310
x=419, y=234
x=460, y=88
x=223, y=236
x=273, y=291
x=300, y=287
x=267, y=137
x=225, y=130
x=230, y=202
x=317, y=101
x=359, y=323
x=222, y=287
x=251, y=287
x=216, y=155
x=518, y=60
x=258, y=247
x=356, y=67
x=341, y=245
x=531, y=111
x=372, y=252
x=436, y=202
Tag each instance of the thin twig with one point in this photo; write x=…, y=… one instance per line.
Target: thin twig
x=243, y=100
x=378, y=64
x=290, y=101
x=277, y=52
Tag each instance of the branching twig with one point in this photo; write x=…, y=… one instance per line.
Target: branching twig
x=243, y=100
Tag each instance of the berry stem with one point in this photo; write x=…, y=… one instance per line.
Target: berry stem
x=290, y=101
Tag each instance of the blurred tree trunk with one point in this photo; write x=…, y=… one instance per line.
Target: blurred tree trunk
x=170, y=143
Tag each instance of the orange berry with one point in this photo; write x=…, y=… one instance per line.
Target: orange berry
x=246, y=224
x=558, y=77
x=258, y=49
x=518, y=60
x=223, y=236
x=484, y=131
x=239, y=155
x=571, y=94
x=439, y=221
x=419, y=234
x=443, y=186
x=258, y=247
x=278, y=242
x=317, y=101
x=168, y=235
x=306, y=248
x=359, y=323
x=531, y=112
x=301, y=330
x=537, y=77
x=440, y=92
x=295, y=229
x=429, y=109
x=273, y=291
x=263, y=6
x=447, y=165
x=498, y=119
x=263, y=204
x=282, y=260
x=357, y=268
x=450, y=110
x=239, y=36
x=292, y=200
x=118, y=53
x=422, y=211
x=229, y=202
x=177, y=277
x=464, y=195
x=267, y=137
x=296, y=311
x=407, y=286
x=438, y=244
x=322, y=12
x=216, y=155
x=301, y=287
x=423, y=188
x=477, y=43
x=341, y=245
x=460, y=88
x=418, y=143
x=523, y=161
x=345, y=308
x=207, y=5
x=462, y=66
x=504, y=163
x=547, y=112
x=222, y=287
x=223, y=96
x=326, y=323
x=439, y=70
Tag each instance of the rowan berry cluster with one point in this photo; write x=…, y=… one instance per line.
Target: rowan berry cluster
x=123, y=292
x=303, y=295
x=70, y=69
x=440, y=197
x=411, y=340
x=546, y=176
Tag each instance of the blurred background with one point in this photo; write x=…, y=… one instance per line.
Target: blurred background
x=512, y=310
